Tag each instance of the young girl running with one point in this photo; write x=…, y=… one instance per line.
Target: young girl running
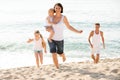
x=39, y=44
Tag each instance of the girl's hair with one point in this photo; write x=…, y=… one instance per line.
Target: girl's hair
x=60, y=5
x=37, y=32
x=43, y=42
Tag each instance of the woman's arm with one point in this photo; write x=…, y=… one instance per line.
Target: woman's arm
x=69, y=26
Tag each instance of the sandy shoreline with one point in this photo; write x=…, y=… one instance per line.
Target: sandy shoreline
x=107, y=69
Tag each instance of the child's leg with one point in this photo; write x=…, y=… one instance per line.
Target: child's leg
x=97, y=58
x=51, y=35
x=41, y=57
x=37, y=59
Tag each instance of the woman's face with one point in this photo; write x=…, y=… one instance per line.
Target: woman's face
x=57, y=9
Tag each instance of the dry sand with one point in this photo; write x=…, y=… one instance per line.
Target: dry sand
x=107, y=69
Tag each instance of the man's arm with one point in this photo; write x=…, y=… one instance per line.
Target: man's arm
x=91, y=34
x=69, y=26
x=102, y=39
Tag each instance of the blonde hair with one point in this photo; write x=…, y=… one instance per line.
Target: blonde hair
x=51, y=9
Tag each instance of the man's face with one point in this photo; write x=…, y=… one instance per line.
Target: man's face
x=97, y=27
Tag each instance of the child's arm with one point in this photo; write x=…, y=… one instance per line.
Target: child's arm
x=30, y=40
x=51, y=35
x=102, y=39
x=91, y=34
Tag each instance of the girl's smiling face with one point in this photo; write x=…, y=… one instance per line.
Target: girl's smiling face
x=36, y=34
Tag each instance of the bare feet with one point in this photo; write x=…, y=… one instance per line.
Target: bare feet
x=64, y=58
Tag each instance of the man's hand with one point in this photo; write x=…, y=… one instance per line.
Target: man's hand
x=80, y=31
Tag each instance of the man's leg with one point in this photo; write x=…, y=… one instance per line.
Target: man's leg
x=93, y=57
x=97, y=58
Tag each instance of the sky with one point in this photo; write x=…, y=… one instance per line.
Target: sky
x=12, y=11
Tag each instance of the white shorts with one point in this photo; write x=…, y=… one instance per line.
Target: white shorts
x=95, y=50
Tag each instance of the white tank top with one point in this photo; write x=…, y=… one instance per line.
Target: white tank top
x=38, y=44
x=58, y=30
x=47, y=23
x=96, y=39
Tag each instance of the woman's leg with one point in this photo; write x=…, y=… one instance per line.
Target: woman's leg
x=60, y=49
x=63, y=57
x=37, y=59
x=55, y=60
x=41, y=57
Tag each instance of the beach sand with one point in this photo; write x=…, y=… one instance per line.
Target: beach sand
x=107, y=69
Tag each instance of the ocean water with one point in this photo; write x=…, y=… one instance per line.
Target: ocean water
x=18, y=25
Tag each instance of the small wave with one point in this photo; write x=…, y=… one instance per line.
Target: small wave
x=14, y=46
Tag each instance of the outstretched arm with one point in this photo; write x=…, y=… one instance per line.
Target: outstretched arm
x=30, y=40
x=69, y=26
x=102, y=39
x=91, y=34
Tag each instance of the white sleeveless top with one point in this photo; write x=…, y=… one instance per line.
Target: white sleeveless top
x=58, y=30
x=96, y=39
x=47, y=23
x=38, y=44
